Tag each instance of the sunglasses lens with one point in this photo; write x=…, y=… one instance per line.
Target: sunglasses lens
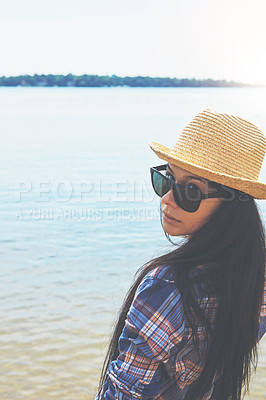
x=160, y=184
x=187, y=197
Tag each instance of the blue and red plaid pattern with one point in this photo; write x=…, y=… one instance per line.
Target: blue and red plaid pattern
x=157, y=357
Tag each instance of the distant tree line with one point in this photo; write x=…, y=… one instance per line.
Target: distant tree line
x=107, y=81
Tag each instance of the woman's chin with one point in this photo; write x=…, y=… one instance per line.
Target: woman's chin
x=173, y=231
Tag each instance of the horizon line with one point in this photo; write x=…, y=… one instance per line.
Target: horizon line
x=95, y=80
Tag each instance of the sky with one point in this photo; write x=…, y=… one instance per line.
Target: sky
x=217, y=39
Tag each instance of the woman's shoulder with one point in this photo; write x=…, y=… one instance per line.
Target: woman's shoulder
x=167, y=274
x=157, y=287
x=163, y=280
x=162, y=273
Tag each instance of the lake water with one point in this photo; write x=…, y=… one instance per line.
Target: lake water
x=78, y=218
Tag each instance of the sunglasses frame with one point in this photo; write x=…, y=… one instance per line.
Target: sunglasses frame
x=176, y=191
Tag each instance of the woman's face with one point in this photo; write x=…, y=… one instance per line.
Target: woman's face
x=185, y=223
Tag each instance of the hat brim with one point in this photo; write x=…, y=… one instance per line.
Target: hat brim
x=253, y=188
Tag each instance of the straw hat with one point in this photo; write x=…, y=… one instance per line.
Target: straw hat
x=222, y=148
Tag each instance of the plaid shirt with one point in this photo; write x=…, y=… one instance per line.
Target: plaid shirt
x=157, y=358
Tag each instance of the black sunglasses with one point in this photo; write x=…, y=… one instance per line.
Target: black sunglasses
x=187, y=196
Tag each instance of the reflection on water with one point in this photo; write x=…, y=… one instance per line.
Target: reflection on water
x=78, y=218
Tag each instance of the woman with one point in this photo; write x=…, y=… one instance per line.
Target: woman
x=190, y=324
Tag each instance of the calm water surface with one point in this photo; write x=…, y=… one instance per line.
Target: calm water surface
x=78, y=218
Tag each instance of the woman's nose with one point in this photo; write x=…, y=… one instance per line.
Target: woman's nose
x=168, y=198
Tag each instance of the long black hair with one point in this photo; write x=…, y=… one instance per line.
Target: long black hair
x=233, y=238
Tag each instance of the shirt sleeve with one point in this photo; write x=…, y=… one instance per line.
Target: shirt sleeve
x=153, y=328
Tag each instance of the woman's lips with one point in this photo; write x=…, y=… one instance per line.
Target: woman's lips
x=169, y=219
